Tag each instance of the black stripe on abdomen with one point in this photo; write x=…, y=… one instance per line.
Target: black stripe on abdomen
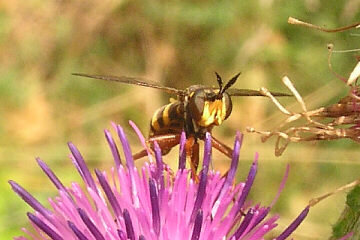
x=168, y=119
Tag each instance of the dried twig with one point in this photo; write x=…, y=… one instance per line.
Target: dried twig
x=295, y=21
x=340, y=120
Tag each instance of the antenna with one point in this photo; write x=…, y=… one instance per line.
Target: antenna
x=230, y=83
x=220, y=82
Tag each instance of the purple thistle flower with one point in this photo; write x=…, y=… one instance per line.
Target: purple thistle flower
x=153, y=204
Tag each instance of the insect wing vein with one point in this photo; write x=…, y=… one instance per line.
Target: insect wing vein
x=135, y=81
x=248, y=92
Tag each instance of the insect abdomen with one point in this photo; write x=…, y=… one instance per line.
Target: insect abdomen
x=168, y=119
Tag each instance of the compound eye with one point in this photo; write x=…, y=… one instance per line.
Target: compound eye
x=196, y=104
x=228, y=104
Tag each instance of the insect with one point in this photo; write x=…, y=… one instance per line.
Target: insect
x=196, y=110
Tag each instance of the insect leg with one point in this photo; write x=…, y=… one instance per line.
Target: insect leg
x=140, y=154
x=226, y=150
x=192, y=150
x=221, y=147
x=166, y=143
x=195, y=155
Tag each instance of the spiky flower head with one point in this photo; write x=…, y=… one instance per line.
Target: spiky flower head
x=153, y=203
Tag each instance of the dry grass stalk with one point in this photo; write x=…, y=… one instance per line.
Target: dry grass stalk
x=337, y=121
x=295, y=21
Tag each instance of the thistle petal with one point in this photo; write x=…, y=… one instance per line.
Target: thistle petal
x=81, y=166
x=159, y=165
x=58, y=184
x=182, y=155
x=29, y=199
x=76, y=231
x=129, y=227
x=45, y=227
x=249, y=182
x=203, y=177
x=291, y=228
x=90, y=225
x=109, y=193
x=154, y=206
x=197, y=226
x=113, y=148
x=155, y=203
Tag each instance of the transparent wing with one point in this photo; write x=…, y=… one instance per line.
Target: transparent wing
x=134, y=81
x=249, y=92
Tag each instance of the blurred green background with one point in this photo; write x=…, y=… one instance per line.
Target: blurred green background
x=176, y=43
